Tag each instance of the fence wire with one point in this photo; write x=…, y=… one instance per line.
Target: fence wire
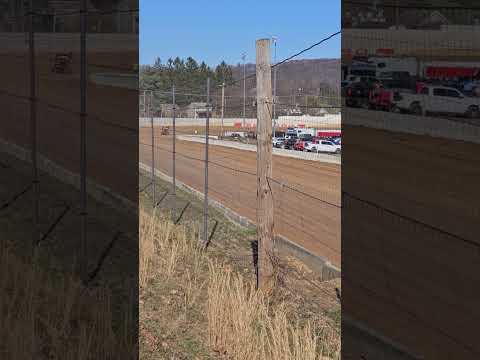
x=36, y=113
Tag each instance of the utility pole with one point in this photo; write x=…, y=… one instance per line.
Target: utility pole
x=223, y=107
x=205, y=190
x=244, y=87
x=274, y=38
x=264, y=166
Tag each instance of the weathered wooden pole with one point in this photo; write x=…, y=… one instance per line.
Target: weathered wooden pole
x=264, y=166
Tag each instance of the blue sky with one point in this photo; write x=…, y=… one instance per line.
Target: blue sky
x=216, y=30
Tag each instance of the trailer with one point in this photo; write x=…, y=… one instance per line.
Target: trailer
x=329, y=133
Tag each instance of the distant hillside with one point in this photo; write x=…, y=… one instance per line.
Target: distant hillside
x=310, y=75
x=295, y=79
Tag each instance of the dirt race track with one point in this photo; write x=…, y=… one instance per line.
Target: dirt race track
x=310, y=218
x=111, y=124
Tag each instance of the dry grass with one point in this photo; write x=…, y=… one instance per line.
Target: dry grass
x=175, y=244
x=48, y=315
x=242, y=322
x=243, y=325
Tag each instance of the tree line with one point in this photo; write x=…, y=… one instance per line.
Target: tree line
x=188, y=76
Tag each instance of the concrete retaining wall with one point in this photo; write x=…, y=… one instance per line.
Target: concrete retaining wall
x=329, y=120
x=332, y=159
x=59, y=42
x=100, y=193
x=419, y=125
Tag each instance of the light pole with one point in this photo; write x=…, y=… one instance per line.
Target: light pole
x=274, y=39
x=244, y=87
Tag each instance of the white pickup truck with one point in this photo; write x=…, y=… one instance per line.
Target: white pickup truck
x=322, y=146
x=437, y=100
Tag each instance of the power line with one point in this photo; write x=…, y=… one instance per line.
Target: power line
x=306, y=49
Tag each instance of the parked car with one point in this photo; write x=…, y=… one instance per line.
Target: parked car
x=235, y=136
x=300, y=145
x=277, y=142
x=289, y=143
x=357, y=94
x=311, y=146
x=380, y=98
x=323, y=146
x=438, y=100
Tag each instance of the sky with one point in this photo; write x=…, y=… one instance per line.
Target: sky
x=216, y=30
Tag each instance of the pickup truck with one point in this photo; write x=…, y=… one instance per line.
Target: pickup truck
x=323, y=146
x=437, y=100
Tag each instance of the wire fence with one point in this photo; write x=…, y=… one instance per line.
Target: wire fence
x=407, y=246
x=48, y=99
x=311, y=217
x=303, y=213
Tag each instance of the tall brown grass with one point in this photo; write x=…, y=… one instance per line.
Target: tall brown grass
x=242, y=325
x=164, y=246
x=49, y=315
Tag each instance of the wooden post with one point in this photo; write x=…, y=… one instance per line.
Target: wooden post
x=264, y=166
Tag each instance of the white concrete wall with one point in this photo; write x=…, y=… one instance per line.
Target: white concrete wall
x=320, y=157
x=332, y=120
x=419, y=125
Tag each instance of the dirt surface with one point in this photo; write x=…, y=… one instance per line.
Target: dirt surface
x=310, y=218
x=111, y=124
x=417, y=264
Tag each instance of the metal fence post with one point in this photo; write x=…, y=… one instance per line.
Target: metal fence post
x=174, y=184
x=205, y=191
x=223, y=110
x=33, y=126
x=83, y=133
x=150, y=113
